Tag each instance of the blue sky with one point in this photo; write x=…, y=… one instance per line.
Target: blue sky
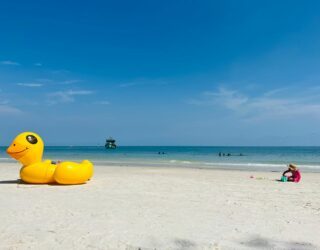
x=161, y=72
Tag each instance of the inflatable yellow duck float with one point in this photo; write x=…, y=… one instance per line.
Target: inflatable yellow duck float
x=28, y=147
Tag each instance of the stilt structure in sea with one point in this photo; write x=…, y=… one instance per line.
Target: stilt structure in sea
x=110, y=143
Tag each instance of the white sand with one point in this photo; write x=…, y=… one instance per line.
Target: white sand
x=161, y=208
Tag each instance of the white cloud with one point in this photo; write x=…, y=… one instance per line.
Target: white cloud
x=38, y=64
x=44, y=80
x=70, y=82
x=30, y=85
x=231, y=99
x=6, y=109
x=59, y=71
x=143, y=82
x=57, y=82
x=10, y=63
x=102, y=102
x=277, y=103
x=66, y=96
x=130, y=84
x=4, y=102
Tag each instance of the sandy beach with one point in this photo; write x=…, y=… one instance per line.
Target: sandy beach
x=161, y=208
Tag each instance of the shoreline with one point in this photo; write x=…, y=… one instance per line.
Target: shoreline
x=252, y=168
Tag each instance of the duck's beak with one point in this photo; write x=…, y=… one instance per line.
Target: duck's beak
x=17, y=150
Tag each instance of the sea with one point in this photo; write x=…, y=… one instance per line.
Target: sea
x=233, y=158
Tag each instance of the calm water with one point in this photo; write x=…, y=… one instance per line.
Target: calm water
x=255, y=158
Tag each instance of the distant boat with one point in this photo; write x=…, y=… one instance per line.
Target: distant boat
x=110, y=143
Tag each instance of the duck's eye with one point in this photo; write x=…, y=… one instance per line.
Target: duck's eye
x=32, y=139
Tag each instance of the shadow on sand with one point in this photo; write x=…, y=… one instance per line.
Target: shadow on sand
x=20, y=182
x=265, y=243
x=17, y=181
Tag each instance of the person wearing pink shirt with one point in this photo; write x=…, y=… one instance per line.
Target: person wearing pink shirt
x=293, y=173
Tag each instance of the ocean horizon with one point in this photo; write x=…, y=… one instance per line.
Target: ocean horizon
x=263, y=158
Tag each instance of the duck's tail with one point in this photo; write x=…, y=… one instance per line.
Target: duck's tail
x=73, y=173
x=89, y=165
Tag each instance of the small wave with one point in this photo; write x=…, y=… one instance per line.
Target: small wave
x=264, y=165
x=244, y=164
x=5, y=158
x=309, y=166
x=180, y=162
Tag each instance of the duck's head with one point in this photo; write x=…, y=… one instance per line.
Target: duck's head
x=27, y=148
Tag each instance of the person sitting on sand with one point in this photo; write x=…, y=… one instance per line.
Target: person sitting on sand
x=293, y=174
